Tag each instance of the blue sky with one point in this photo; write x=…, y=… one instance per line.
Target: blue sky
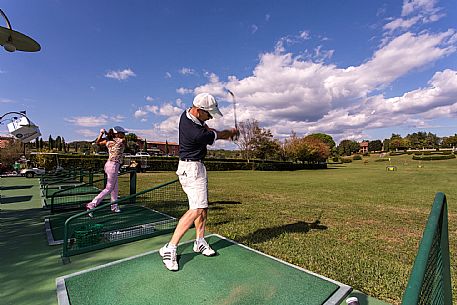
x=351, y=69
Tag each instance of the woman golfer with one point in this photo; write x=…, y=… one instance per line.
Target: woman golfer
x=115, y=142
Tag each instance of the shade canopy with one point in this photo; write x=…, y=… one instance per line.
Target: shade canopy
x=20, y=41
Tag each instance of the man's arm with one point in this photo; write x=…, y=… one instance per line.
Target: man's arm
x=227, y=134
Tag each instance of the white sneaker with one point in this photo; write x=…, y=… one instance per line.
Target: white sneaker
x=203, y=248
x=115, y=208
x=169, y=258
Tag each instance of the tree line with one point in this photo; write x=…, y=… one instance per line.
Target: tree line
x=256, y=142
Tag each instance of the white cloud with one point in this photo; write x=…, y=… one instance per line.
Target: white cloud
x=184, y=91
x=254, y=28
x=140, y=114
x=187, y=71
x=305, y=35
x=287, y=93
x=179, y=103
x=120, y=75
x=149, y=98
x=118, y=118
x=94, y=121
x=167, y=110
x=167, y=75
x=414, y=6
x=87, y=134
x=267, y=17
x=89, y=121
x=401, y=23
x=415, y=12
x=6, y=101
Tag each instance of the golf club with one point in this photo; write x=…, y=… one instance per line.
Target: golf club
x=234, y=112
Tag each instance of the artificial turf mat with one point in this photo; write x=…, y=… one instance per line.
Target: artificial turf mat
x=235, y=276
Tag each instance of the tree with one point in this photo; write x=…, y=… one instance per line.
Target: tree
x=327, y=139
x=10, y=153
x=145, y=146
x=263, y=145
x=64, y=145
x=450, y=141
x=398, y=143
x=167, y=149
x=59, y=143
x=41, y=144
x=348, y=147
x=132, y=143
x=307, y=149
x=247, y=134
x=50, y=143
x=375, y=145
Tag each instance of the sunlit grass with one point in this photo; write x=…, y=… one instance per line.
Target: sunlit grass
x=371, y=220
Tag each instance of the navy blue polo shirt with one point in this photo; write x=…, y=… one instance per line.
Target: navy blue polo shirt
x=193, y=138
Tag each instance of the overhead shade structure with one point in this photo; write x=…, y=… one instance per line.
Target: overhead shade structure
x=13, y=40
x=24, y=129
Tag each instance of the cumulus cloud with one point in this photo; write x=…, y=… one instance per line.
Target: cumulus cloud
x=287, y=93
x=307, y=93
x=140, y=114
x=149, y=98
x=120, y=75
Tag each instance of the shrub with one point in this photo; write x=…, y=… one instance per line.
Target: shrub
x=433, y=157
x=346, y=160
x=381, y=160
x=357, y=157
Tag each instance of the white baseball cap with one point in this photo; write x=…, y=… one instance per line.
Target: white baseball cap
x=207, y=102
x=117, y=129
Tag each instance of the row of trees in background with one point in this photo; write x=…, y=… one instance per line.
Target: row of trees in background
x=259, y=143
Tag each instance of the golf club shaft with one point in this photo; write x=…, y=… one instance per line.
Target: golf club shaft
x=234, y=107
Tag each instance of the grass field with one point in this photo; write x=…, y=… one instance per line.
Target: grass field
x=371, y=220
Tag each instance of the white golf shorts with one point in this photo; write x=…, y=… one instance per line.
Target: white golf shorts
x=194, y=181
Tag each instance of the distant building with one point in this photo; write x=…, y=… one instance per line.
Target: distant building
x=363, y=147
x=155, y=148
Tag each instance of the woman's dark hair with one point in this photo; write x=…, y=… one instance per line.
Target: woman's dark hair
x=110, y=135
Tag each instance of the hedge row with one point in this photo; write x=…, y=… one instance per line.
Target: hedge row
x=170, y=164
x=433, y=157
x=436, y=152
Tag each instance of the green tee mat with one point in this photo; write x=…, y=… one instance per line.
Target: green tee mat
x=236, y=275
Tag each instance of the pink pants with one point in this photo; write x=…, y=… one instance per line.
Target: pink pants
x=112, y=187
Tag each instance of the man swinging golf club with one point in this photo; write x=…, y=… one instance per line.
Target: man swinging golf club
x=194, y=136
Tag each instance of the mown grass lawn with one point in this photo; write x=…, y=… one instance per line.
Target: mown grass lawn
x=370, y=220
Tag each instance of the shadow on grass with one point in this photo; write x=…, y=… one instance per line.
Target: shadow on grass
x=263, y=235
x=15, y=187
x=15, y=199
